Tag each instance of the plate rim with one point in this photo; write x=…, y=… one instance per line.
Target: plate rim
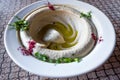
x=5, y=34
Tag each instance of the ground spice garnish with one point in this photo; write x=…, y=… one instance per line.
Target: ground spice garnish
x=31, y=46
x=29, y=50
x=51, y=7
x=24, y=51
x=100, y=39
x=94, y=37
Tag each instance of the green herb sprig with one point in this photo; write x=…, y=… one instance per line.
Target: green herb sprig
x=21, y=24
x=45, y=58
x=88, y=15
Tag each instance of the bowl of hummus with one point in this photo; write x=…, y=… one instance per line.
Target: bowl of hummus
x=58, y=34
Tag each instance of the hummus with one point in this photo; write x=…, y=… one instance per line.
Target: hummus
x=80, y=46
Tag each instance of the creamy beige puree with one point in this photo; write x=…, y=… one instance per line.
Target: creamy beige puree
x=77, y=43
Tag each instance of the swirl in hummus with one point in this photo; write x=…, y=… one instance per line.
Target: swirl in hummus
x=74, y=39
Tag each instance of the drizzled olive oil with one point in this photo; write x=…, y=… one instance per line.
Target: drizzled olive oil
x=67, y=33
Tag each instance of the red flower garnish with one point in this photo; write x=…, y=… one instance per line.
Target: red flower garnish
x=51, y=7
x=29, y=50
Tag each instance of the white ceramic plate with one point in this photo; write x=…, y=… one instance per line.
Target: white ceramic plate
x=96, y=57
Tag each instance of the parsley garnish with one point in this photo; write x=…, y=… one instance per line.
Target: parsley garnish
x=88, y=15
x=21, y=24
x=45, y=58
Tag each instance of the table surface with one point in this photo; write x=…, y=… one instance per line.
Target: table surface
x=110, y=70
